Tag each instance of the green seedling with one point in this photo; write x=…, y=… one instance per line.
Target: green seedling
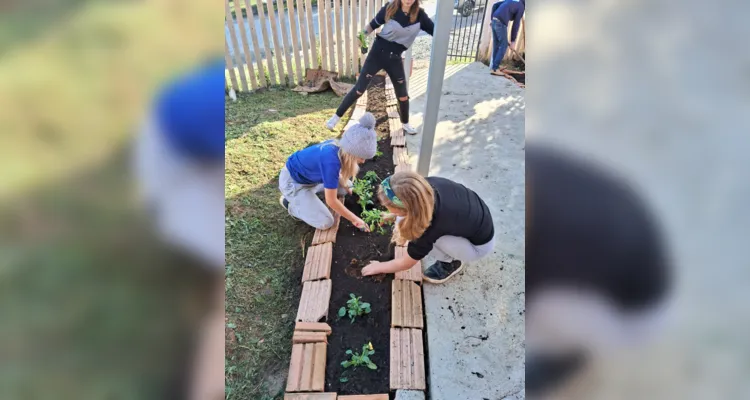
x=354, y=308
x=363, y=189
x=374, y=218
x=361, y=359
x=362, y=42
x=371, y=176
x=378, y=153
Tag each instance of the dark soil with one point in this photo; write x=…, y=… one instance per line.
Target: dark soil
x=376, y=104
x=520, y=77
x=353, y=251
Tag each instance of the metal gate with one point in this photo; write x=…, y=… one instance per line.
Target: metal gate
x=468, y=16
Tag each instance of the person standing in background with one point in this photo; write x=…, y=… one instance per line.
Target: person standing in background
x=503, y=13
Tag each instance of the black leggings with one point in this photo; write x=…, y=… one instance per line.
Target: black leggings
x=393, y=65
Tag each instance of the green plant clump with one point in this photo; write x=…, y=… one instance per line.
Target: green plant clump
x=354, y=307
x=361, y=359
x=374, y=218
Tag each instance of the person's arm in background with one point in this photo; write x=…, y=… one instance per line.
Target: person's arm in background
x=516, y=25
x=376, y=22
x=426, y=23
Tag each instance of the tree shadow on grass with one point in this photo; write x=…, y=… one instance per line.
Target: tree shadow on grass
x=24, y=21
x=96, y=303
x=265, y=258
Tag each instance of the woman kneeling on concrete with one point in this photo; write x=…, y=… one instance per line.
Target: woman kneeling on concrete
x=437, y=217
x=327, y=167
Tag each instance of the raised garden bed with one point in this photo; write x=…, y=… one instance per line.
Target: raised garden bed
x=353, y=251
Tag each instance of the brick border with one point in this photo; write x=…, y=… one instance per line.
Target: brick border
x=407, y=347
x=310, y=338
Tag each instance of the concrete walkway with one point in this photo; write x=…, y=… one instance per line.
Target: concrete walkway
x=475, y=322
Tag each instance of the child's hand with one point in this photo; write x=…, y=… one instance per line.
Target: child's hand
x=361, y=225
x=387, y=217
x=371, y=269
x=349, y=190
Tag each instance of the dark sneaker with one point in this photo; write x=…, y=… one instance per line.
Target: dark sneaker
x=441, y=271
x=284, y=203
x=547, y=373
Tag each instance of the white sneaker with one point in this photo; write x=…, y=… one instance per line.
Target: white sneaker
x=409, y=130
x=331, y=124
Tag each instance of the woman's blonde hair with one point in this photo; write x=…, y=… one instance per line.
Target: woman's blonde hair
x=349, y=167
x=395, y=5
x=418, y=200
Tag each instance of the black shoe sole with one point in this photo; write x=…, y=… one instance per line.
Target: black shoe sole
x=439, y=281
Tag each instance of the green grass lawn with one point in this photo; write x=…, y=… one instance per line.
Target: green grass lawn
x=264, y=246
x=91, y=307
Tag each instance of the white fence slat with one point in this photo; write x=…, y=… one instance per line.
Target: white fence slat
x=237, y=50
x=266, y=43
x=294, y=38
x=311, y=31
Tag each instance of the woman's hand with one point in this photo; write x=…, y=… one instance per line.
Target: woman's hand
x=361, y=225
x=372, y=269
x=387, y=217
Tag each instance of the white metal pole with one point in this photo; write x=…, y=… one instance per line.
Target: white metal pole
x=438, y=58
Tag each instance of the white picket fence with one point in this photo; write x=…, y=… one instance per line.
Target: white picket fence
x=274, y=48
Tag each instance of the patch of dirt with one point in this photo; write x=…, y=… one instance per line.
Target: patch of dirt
x=520, y=77
x=352, y=252
x=376, y=104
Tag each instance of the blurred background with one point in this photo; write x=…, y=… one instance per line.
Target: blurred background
x=658, y=91
x=91, y=305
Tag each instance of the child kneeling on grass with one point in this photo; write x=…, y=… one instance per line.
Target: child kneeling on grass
x=438, y=217
x=327, y=167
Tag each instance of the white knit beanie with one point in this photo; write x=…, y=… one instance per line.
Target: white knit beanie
x=360, y=140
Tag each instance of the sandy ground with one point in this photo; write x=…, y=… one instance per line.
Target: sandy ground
x=475, y=322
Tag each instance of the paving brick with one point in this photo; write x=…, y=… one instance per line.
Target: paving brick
x=406, y=301
x=365, y=397
x=328, y=235
x=313, y=327
x=309, y=337
x=393, y=114
x=398, y=140
x=403, y=168
x=412, y=274
x=400, y=156
x=407, y=359
x=318, y=262
x=313, y=304
x=362, y=101
x=307, y=368
x=310, y=396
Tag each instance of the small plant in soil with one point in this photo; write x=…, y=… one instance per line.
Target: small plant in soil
x=355, y=307
x=363, y=190
x=378, y=153
x=361, y=359
x=374, y=218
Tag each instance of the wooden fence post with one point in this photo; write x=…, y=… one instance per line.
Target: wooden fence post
x=278, y=49
x=339, y=28
x=238, y=51
x=323, y=21
x=295, y=38
x=254, y=38
x=287, y=46
x=230, y=67
x=303, y=34
x=311, y=30
x=266, y=45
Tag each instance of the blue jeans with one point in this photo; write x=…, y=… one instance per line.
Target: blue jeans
x=499, y=43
